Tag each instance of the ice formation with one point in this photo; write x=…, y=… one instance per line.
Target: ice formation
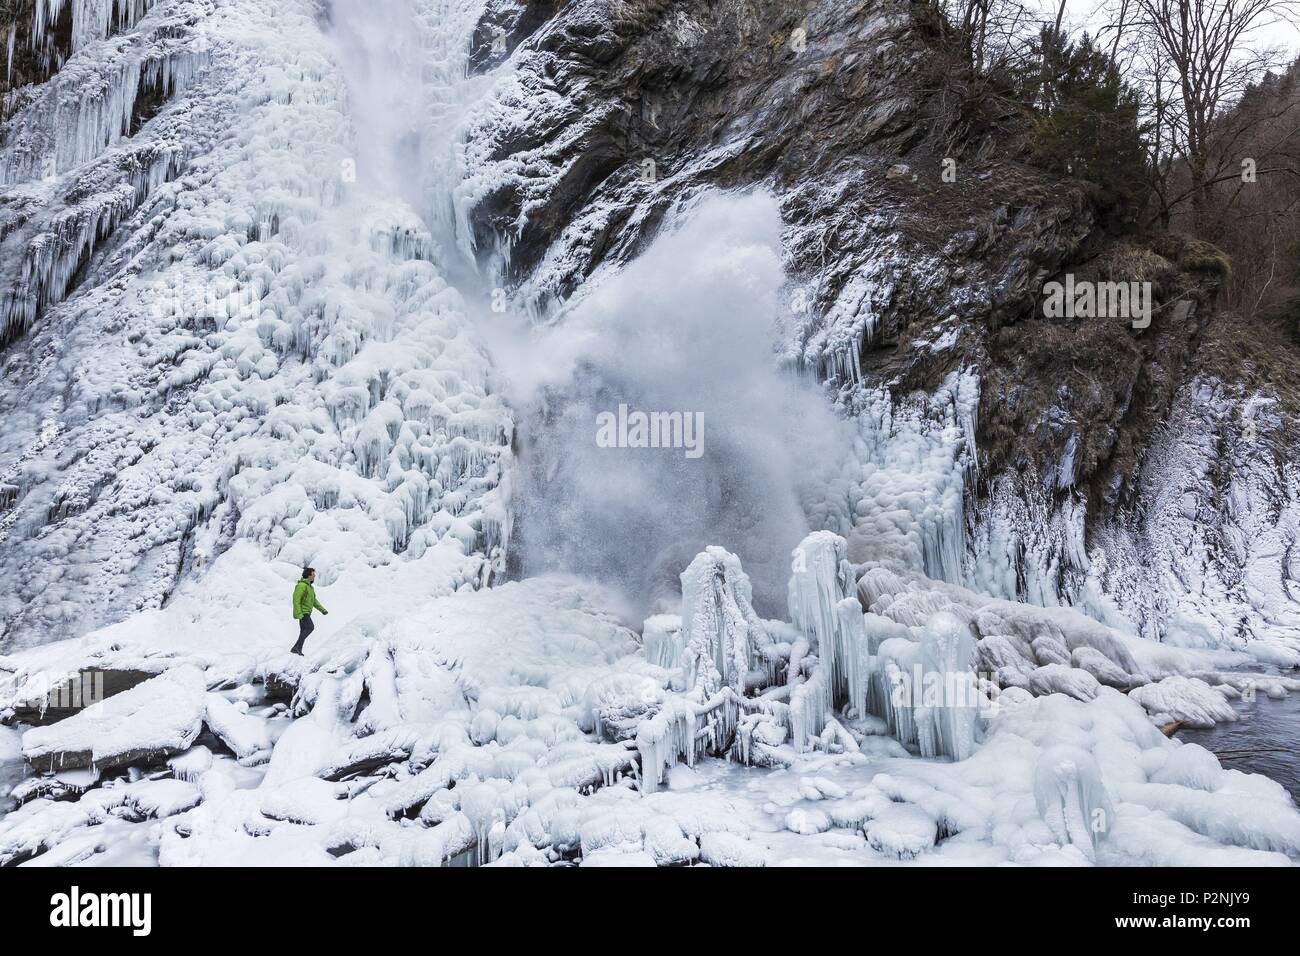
x=276, y=356
x=1072, y=798
x=721, y=636
x=766, y=700
x=241, y=352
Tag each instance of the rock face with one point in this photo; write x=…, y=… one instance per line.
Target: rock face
x=1145, y=474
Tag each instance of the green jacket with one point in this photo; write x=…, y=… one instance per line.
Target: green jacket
x=304, y=599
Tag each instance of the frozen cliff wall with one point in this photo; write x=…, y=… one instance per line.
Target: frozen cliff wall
x=216, y=326
x=904, y=284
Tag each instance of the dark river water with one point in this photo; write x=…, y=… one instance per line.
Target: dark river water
x=1266, y=740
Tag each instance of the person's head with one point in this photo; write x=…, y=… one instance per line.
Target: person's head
x=309, y=575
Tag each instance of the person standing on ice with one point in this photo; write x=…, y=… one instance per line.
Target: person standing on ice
x=304, y=602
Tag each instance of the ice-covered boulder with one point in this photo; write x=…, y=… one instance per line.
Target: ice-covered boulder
x=246, y=735
x=1063, y=679
x=1102, y=668
x=901, y=830
x=152, y=720
x=729, y=849
x=1191, y=765
x=667, y=844
x=1186, y=699
x=43, y=701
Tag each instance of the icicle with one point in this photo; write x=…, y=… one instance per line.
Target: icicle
x=719, y=627
x=821, y=579
x=80, y=114
x=481, y=803
x=946, y=652
x=811, y=705
x=855, y=644
x=91, y=19
x=926, y=691
x=662, y=639
x=1071, y=798
x=663, y=738
x=685, y=728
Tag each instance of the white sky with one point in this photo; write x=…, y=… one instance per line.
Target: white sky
x=1092, y=14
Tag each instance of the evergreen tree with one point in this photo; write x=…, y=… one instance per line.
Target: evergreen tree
x=1086, y=122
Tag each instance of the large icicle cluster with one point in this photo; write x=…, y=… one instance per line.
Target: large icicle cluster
x=1205, y=561
x=57, y=29
x=90, y=104
x=225, y=336
x=54, y=221
x=721, y=636
x=91, y=19
x=820, y=580
x=718, y=645
x=901, y=503
x=767, y=692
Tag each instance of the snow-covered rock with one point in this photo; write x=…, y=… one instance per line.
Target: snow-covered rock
x=151, y=721
x=1186, y=699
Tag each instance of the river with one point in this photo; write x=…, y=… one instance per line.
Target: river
x=1265, y=740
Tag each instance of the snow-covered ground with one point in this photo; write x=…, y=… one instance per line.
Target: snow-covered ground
x=347, y=407
x=523, y=724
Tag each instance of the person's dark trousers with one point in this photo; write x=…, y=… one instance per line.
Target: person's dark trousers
x=305, y=627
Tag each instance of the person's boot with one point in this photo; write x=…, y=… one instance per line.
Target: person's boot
x=296, y=649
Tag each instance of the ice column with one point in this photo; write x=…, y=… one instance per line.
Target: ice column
x=949, y=698
x=719, y=627
x=719, y=647
x=1072, y=798
x=823, y=606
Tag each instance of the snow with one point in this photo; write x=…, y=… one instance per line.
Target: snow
x=237, y=360
x=1187, y=699
x=161, y=715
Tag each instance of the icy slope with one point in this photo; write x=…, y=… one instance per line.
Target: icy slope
x=522, y=724
x=222, y=331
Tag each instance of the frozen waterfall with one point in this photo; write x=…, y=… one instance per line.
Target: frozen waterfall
x=254, y=319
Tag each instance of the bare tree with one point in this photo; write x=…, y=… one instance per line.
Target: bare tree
x=1201, y=56
x=991, y=31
